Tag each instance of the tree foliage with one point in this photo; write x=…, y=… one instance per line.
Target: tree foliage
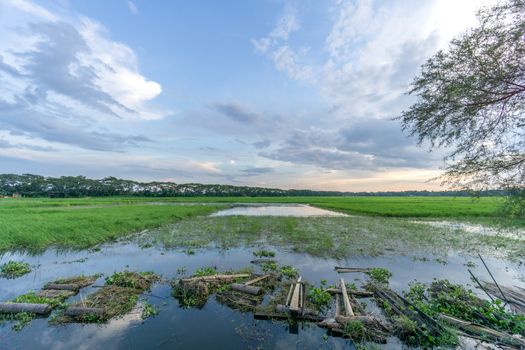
x=470, y=99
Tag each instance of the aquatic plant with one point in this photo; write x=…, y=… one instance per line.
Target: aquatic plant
x=128, y=279
x=288, y=271
x=264, y=253
x=380, y=275
x=149, y=310
x=14, y=269
x=205, y=271
x=319, y=296
x=455, y=300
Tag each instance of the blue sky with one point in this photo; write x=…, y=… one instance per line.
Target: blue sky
x=291, y=94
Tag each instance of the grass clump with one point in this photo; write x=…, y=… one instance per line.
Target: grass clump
x=14, y=269
x=149, y=311
x=455, y=300
x=380, y=275
x=20, y=320
x=33, y=298
x=205, y=271
x=288, y=271
x=81, y=280
x=194, y=292
x=127, y=279
x=269, y=266
x=118, y=296
x=319, y=297
x=264, y=253
x=355, y=330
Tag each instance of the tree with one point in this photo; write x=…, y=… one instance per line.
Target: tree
x=470, y=99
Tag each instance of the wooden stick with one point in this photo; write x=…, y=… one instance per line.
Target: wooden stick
x=295, y=301
x=253, y=290
x=355, y=293
x=82, y=311
x=337, y=305
x=478, y=329
x=346, y=300
x=479, y=284
x=490, y=273
x=258, y=279
x=342, y=269
x=62, y=286
x=13, y=308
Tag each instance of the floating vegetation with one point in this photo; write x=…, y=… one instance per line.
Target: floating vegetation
x=444, y=297
x=205, y=271
x=148, y=311
x=80, y=280
x=288, y=271
x=117, y=297
x=379, y=275
x=319, y=296
x=195, y=290
x=14, y=269
x=263, y=253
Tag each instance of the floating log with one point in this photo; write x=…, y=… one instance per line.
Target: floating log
x=368, y=320
x=257, y=279
x=214, y=278
x=295, y=301
x=56, y=293
x=253, y=290
x=262, y=261
x=354, y=293
x=342, y=269
x=62, y=286
x=308, y=316
x=247, y=287
x=477, y=329
x=82, y=311
x=13, y=308
x=515, y=297
x=346, y=300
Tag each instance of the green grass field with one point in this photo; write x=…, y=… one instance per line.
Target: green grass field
x=34, y=224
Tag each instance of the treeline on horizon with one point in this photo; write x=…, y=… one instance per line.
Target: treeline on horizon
x=29, y=185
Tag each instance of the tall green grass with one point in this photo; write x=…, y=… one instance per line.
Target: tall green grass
x=381, y=206
x=29, y=225
x=34, y=224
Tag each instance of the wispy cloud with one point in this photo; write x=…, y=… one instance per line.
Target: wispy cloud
x=275, y=47
x=237, y=112
x=132, y=7
x=64, y=80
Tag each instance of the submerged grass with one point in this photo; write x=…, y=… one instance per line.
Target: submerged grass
x=331, y=237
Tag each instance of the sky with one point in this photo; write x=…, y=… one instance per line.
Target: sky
x=288, y=94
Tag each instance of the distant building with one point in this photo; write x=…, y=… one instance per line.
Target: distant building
x=16, y=195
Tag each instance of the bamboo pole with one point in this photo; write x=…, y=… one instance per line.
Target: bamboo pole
x=346, y=300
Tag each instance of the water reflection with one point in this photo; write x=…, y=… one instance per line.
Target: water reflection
x=298, y=210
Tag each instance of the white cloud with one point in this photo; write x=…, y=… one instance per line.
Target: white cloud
x=275, y=47
x=105, y=73
x=132, y=7
x=373, y=50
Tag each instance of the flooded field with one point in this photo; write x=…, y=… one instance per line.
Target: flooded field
x=298, y=210
x=312, y=245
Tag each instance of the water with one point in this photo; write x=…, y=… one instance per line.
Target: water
x=515, y=233
x=214, y=326
x=296, y=210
